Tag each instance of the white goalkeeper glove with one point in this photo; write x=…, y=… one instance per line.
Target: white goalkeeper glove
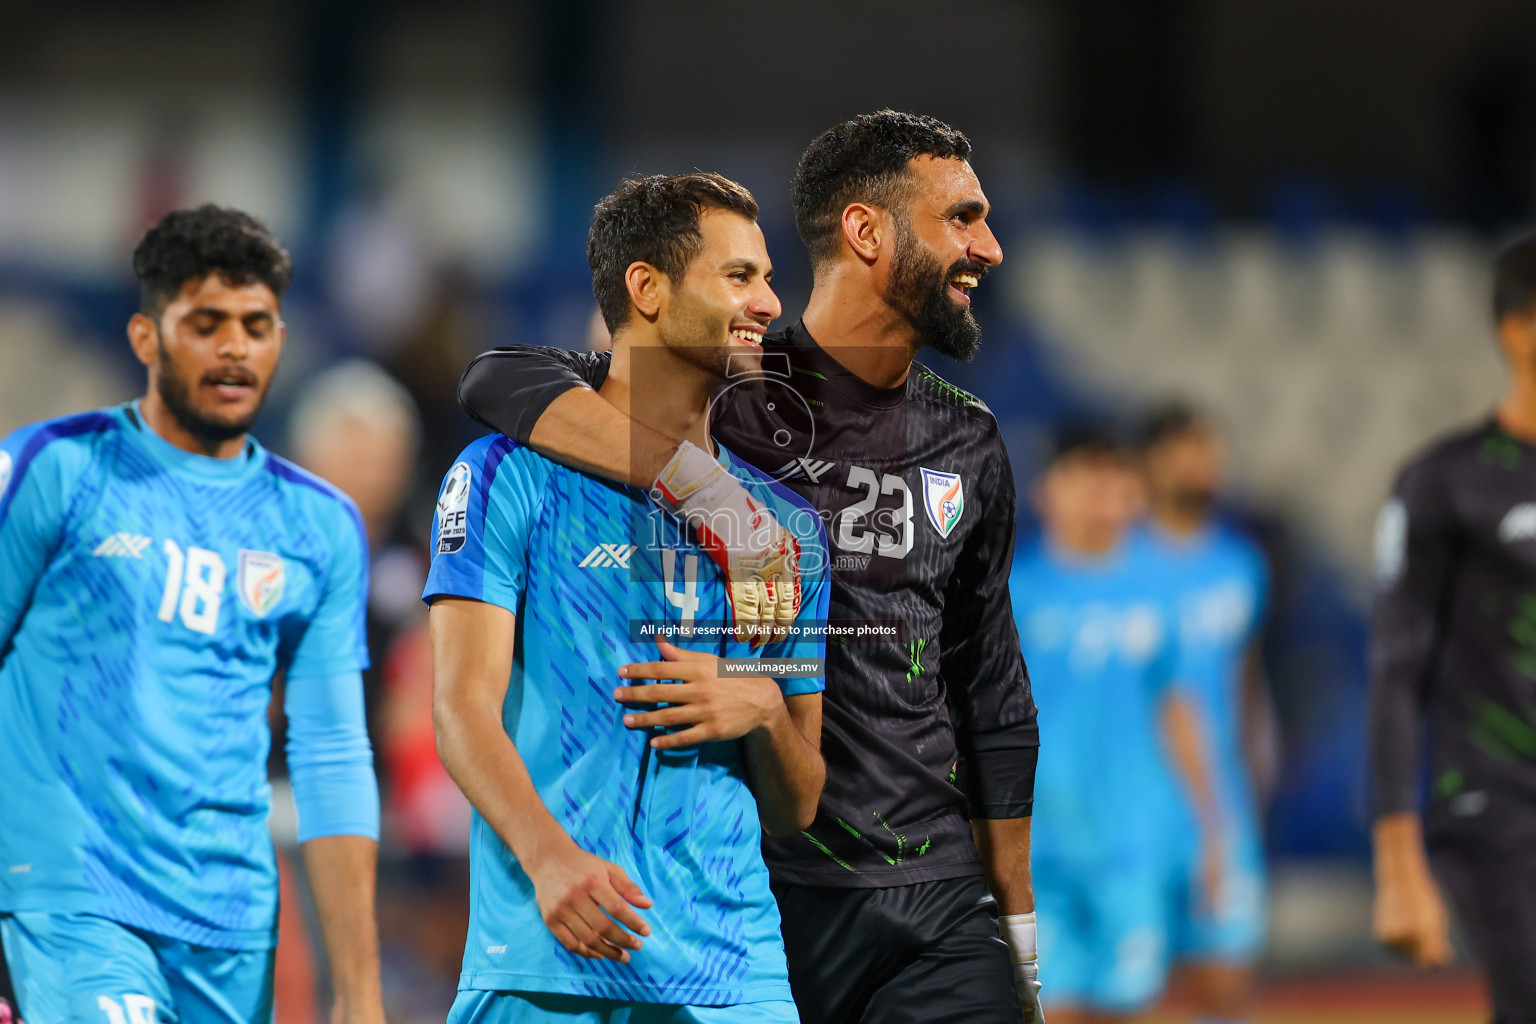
x=1018, y=930
x=760, y=559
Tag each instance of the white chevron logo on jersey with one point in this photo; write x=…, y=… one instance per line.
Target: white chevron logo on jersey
x=809, y=469
x=609, y=556
x=122, y=545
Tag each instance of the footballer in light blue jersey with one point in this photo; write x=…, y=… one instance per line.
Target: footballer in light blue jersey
x=1218, y=580
x=1100, y=635
x=159, y=569
x=616, y=864
x=579, y=560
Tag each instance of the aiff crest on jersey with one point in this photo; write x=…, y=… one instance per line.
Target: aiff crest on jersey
x=260, y=581
x=944, y=497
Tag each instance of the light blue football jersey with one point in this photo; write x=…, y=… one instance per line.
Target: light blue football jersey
x=1099, y=638
x=1218, y=581
x=586, y=566
x=147, y=597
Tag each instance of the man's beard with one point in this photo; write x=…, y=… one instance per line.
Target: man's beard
x=1195, y=502
x=176, y=393
x=919, y=291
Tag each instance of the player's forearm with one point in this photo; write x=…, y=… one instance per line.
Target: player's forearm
x=787, y=772
x=341, y=872
x=1187, y=745
x=580, y=429
x=1260, y=733
x=1397, y=849
x=1004, y=847
x=475, y=749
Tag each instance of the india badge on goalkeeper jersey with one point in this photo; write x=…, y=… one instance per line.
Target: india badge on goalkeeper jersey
x=591, y=569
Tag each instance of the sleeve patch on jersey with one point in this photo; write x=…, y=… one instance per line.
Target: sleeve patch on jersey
x=944, y=498
x=260, y=579
x=1391, y=542
x=5, y=470
x=453, y=509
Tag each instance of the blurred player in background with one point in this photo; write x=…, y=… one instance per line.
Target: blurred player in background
x=1220, y=582
x=1454, y=647
x=1099, y=629
x=540, y=575
x=930, y=734
x=357, y=427
x=160, y=567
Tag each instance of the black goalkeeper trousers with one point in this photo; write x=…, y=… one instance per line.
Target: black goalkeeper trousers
x=909, y=954
x=1492, y=890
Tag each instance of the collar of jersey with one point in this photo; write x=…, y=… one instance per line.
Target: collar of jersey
x=1183, y=547
x=1074, y=561
x=168, y=455
x=838, y=376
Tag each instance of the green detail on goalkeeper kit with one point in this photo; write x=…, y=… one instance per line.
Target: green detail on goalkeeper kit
x=1522, y=629
x=915, y=657
x=1499, y=449
x=947, y=391
x=808, y=373
x=1500, y=733
x=1449, y=783
x=824, y=849
x=860, y=837
x=902, y=843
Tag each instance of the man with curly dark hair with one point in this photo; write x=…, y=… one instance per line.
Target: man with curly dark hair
x=160, y=568
x=891, y=898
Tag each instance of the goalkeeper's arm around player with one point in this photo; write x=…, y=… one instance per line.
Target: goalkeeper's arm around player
x=551, y=406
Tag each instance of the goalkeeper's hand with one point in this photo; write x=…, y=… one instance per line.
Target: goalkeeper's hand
x=1018, y=930
x=760, y=559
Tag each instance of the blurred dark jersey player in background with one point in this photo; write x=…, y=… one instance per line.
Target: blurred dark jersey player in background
x=1455, y=643
x=929, y=732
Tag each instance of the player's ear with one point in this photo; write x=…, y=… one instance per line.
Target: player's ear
x=647, y=289
x=865, y=229
x=144, y=339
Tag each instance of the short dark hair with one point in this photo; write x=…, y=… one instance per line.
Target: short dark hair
x=1085, y=438
x=654, y=220
x=187, y=245
x=1169, y=420
x=864, y=160
x=1514, y=279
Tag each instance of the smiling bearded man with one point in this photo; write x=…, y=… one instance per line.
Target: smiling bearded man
x=890, y=899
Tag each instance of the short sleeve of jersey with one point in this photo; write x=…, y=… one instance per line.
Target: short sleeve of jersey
x=35, y=475
x=809, y=639
x=485, y=510
x=335, y=641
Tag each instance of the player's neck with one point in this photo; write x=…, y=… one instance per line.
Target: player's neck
x=159, y=418
x=859, y=329
x=657, y=389
x=1082, y=545
x=1179, y=523
x=1517, y=412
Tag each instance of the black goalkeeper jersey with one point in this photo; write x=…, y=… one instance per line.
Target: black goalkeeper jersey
x=1454, y=637
x=928, y=718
